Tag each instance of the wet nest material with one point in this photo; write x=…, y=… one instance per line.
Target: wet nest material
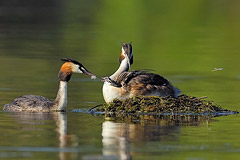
x=183, y=105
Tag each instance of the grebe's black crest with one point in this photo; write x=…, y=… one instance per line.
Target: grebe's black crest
x=71, y=60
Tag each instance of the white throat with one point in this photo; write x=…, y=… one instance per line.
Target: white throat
x=110, y=92
x=61, y=99
x=124, y=66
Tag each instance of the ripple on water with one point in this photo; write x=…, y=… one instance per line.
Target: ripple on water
x=5, y=89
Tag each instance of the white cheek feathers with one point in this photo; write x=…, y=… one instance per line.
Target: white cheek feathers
x=123, y=52
x=75, y=68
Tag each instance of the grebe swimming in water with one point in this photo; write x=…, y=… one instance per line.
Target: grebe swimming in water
x=123, y=84
x=35, y=103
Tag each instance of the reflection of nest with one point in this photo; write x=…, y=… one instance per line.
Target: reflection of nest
x=183, y=105
x=163, y=120
x=154, y=128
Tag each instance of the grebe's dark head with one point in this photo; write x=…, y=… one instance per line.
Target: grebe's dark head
x=72, y=66
x=126, y=52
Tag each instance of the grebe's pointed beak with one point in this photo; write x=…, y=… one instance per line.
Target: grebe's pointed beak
x=85, y=71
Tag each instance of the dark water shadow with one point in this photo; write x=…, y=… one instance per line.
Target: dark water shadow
x=34, y=119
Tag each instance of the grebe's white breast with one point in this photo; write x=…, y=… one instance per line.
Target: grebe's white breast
x=110, y=92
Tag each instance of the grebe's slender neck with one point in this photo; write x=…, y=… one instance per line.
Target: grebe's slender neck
x=124, y=66
x=61, y=100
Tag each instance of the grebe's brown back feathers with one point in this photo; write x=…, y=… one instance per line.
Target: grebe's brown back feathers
x=144, y=83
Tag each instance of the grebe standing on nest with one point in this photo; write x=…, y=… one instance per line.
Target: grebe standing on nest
x=35, y=103
x=123, y=84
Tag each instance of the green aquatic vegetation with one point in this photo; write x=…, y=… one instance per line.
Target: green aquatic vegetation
x=158, y=105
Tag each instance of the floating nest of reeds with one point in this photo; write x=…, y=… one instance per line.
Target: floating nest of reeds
x=153, y=105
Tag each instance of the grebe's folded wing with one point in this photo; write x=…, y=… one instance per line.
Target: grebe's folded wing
x=142, y=76
x=138, y=76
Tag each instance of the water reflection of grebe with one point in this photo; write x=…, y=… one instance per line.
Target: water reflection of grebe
x=118, y=137
x=35, y=103
x=34, y=119
x=123, y=84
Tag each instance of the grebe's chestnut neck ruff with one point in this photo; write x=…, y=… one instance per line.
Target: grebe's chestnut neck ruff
x=123, y=84
x=35, y=103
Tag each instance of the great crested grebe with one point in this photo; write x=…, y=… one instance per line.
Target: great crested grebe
x=35, y=103
x=123, y=84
